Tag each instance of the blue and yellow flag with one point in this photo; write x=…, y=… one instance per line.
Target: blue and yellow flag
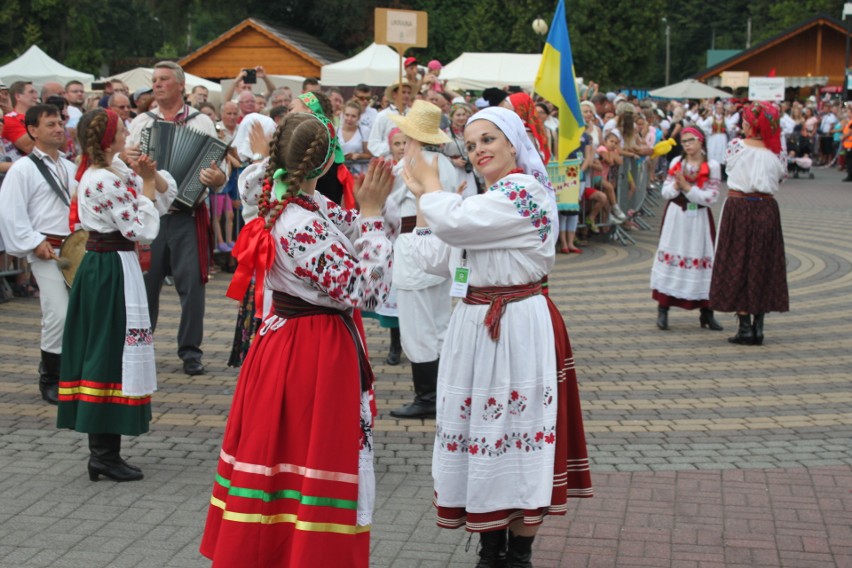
x=555, y=82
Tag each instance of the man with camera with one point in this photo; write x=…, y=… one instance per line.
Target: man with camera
x=182, y=247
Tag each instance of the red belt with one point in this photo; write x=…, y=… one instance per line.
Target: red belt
x=108, y=242
x=55, y=240
x=408, y=224
x=497, y=297
x=737, y=193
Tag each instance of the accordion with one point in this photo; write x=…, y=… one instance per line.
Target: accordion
x=183, y=152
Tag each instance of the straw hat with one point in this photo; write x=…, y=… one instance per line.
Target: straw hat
x=389, y=90
x=422, y=123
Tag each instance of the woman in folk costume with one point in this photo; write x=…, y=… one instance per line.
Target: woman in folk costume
x=108, y=369
x=295, y=483
x=525, y=108
x=683, y=265
x=509, y=446
x=715, y=127
x=750, y=269
x=423, y=300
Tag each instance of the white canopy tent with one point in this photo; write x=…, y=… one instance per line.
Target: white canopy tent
x=39, y=68
x=376, y=66
x=482, y=70
x=689, y=89
x=141, y=77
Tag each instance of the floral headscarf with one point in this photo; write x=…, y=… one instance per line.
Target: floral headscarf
x=765, y=124
x=525, y=107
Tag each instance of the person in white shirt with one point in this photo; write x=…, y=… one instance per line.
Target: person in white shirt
x=34, y=207
x=377, y=143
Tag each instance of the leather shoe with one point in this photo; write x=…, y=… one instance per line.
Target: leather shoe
x=193, y=367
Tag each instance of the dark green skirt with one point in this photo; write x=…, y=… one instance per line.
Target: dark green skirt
x=90, y=396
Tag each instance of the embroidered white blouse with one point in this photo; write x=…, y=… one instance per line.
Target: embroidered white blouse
x=106, y=203
x=752, y=169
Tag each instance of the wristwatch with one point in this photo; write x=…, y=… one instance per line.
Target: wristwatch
x=256, y=157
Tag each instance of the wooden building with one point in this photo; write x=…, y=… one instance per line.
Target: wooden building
x=280, y=50
x=809, y=54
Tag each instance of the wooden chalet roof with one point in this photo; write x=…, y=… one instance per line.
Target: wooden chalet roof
x=767, y=44
x=308, y=51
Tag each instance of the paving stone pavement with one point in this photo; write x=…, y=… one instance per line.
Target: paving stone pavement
x=704, y=454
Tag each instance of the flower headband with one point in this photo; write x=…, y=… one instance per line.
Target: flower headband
x=310, y=100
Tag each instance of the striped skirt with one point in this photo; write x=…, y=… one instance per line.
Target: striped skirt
x=295, y=483
x=90, y=384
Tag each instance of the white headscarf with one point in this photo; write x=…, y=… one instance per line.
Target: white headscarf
x=242, y=142
x=512, y=126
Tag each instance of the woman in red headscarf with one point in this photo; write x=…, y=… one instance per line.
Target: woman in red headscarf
x=108, y=371
x=750, y=269
x=525, y=108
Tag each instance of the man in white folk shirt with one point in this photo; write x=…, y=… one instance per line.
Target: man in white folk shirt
x=423, y=300
x=182, y=245
x=34, y=206
x=377, y=143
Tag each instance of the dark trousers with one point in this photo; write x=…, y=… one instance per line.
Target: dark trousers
x=175, y=252
x=849, y=164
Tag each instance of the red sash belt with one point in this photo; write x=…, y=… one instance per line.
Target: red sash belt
x=290, y=307
x=497, y=297
x=755, y=195
x=55, y=240
x=408, y=224
x=108, y=242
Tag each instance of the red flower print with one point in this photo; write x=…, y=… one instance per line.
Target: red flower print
x=498, y=443
x=518, y=444
x=550, y=438
x=474, y=449
x=492, y=401
x=539, y=436
x=515, y=395
x=116, y=184
x=305, y=238
x=452, y=446
x=523, y=194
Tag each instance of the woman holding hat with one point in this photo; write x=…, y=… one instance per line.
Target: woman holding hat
x=295, y=483
x=683, y=264
x=750, y=269
x=509, y=446
x=108, y=370
x=423, y=300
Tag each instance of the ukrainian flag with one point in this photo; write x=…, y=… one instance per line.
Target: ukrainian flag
x=555, y=82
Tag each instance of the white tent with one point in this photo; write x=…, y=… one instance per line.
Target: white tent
x=39, y=68
x=689, y=89
x=482, y=70
x=376, y=66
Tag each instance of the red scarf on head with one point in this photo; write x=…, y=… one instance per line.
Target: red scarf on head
x=106, y=141
x=765, y=124
x=525, y=108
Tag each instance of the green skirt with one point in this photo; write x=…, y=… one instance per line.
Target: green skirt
x=90, y=395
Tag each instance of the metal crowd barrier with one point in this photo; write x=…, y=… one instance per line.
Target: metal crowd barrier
x=9, y=266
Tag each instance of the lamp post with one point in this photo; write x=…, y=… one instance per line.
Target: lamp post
x=540, y=27
x=668, y=43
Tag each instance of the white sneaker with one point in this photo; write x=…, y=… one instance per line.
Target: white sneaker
x=618, y=213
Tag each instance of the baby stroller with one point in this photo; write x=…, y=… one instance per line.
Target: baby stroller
x=799, y=161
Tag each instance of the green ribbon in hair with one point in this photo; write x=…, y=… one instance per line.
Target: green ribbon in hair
x=310, y=100
x=280, y=186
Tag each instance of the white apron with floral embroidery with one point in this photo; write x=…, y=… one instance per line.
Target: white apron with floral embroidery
x=138, y=368
x=496, y=412
x=683, y=264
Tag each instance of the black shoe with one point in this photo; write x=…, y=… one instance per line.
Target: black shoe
x=847, y=178
x=707, y=320
x=48, y=380
x=492, y=552
x=105, y=459
x=425, y=377
x=745, y=335
x=662, y=317
x=395, y=352
x=520, y=551
x=757, y=329
x=193, y=367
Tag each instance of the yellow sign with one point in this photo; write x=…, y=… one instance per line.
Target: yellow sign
x=402, y=28
x=565, y=179
x=734, y=79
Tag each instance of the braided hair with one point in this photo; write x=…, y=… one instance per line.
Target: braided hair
x=299, y=145
x=90, y=130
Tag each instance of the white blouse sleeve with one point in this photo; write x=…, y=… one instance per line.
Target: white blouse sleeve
x=508, y=216
x=250, y=182
x=430, y=253
x=347, y=220
x=323, y=261
x=669, y=189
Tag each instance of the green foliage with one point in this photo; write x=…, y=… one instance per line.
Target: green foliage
x=615, y=43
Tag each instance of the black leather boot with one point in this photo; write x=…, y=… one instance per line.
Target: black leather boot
x=492, y=551
x=745, y=335
x=48, y=380
x=662, y=317
x=395, y=351
x=707, y=320
x=757, y=329
x=520, y=551
x=425, y=383
x=105, y=459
